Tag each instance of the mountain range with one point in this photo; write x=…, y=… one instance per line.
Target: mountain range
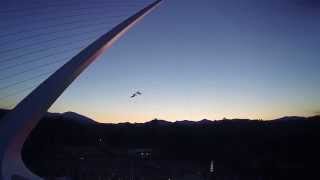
x=286, y=144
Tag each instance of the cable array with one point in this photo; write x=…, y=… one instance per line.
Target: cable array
x=35, y=40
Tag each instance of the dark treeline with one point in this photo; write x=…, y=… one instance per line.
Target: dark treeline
x=286, y=146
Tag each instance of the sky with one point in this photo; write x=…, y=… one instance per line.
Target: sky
x=190, y=59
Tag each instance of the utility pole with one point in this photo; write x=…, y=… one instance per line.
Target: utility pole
x=16, y=125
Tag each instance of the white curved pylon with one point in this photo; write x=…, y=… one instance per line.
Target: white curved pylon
x=16, y=125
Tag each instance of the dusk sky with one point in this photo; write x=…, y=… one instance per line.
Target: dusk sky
x=191, y=59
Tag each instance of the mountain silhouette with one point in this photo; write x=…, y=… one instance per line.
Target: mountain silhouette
x=286, y=145
x=77, y=118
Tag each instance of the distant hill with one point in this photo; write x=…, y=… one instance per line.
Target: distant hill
x=283, y=144
x=67, y=116
x=78, y=118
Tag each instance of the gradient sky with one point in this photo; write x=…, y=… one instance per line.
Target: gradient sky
x=193, y=60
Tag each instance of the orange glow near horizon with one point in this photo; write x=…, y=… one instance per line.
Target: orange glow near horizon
x=140, y=118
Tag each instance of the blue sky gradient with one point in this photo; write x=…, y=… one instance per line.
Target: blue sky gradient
x=194, y=60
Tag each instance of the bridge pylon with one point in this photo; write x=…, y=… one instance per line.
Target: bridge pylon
x=16, y=125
